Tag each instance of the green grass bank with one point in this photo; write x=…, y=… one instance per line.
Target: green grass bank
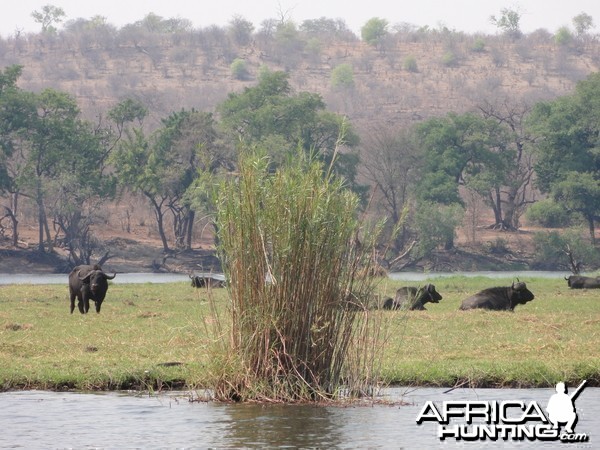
x=156, y=336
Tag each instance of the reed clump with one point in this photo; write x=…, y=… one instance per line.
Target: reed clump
x=297, y=264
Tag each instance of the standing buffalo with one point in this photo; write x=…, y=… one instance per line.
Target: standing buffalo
x=85, y=283
x=413, y=298
x=581, y=282
x=499, y=298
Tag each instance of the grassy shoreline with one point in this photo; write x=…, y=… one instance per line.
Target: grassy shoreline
x=154, y=337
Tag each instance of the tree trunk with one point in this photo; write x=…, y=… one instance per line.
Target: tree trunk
x=42, y=223
x=190, y=229
x=159, y=214
x=495, y=200
x=592, y=230
x=11, y=212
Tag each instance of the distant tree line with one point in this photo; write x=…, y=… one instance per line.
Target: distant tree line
x=419, y=178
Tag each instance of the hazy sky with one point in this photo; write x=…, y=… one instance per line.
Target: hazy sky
x=461, y=15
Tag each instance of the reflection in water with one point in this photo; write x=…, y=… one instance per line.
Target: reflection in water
x=37, y=419
x=282, y=426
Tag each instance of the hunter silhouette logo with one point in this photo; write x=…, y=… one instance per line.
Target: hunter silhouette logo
x=509, y=419
x=561, y=408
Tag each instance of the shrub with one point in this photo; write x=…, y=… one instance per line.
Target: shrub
x=450, y=59
x=436, y=225
x=297, y=279
x=547, y=213
x=478, y=46
x=239, y=70
x=568, y=250
x=563, y=36
x=410, y=64
x=342, y=76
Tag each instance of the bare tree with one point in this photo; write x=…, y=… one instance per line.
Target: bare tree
x=391, y=161
x=509, y=202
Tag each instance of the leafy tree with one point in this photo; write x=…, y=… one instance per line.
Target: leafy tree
x=17, y=108
x=154, y=23
x=11, y=117
x=580, y=192
x=374, y=31
x=269, y=116
x=78, y=192
x=508, y=22
x=435, y=225
x=54, y=158
x=164, y=165
x=547, y=213
x=458, y=150
x=126, y=112
x=568, y=165
x=288, y=44
x=241, y=30
x=566, y=250
x=48, y=17
x=583, y=22
x=326, y=27
x=63, y=150
x=462, y=150
x=51, y=126
x=563, y=36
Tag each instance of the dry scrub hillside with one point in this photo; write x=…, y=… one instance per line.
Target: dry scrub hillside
x=412, y=76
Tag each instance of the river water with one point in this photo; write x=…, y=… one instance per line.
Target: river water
x=127, y=278
x=40, y=419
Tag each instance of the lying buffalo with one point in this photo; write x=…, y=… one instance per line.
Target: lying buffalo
x=211, y=281
x=413, y=298
x=85, y=283
x=581, y=282
x=499, y=298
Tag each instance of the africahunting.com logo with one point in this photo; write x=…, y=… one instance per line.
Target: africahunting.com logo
x=510, y=419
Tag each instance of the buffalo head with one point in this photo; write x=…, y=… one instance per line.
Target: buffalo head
x=521, y=294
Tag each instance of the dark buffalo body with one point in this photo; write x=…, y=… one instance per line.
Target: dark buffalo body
x=206, y=281
x=88, y=283
x=499, y=298
x=581, y=282
x=412, y=298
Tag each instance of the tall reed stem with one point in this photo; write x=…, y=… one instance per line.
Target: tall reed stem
x=298, y=283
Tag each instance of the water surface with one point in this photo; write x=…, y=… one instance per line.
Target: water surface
x=40, y=419
x=127, y=278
